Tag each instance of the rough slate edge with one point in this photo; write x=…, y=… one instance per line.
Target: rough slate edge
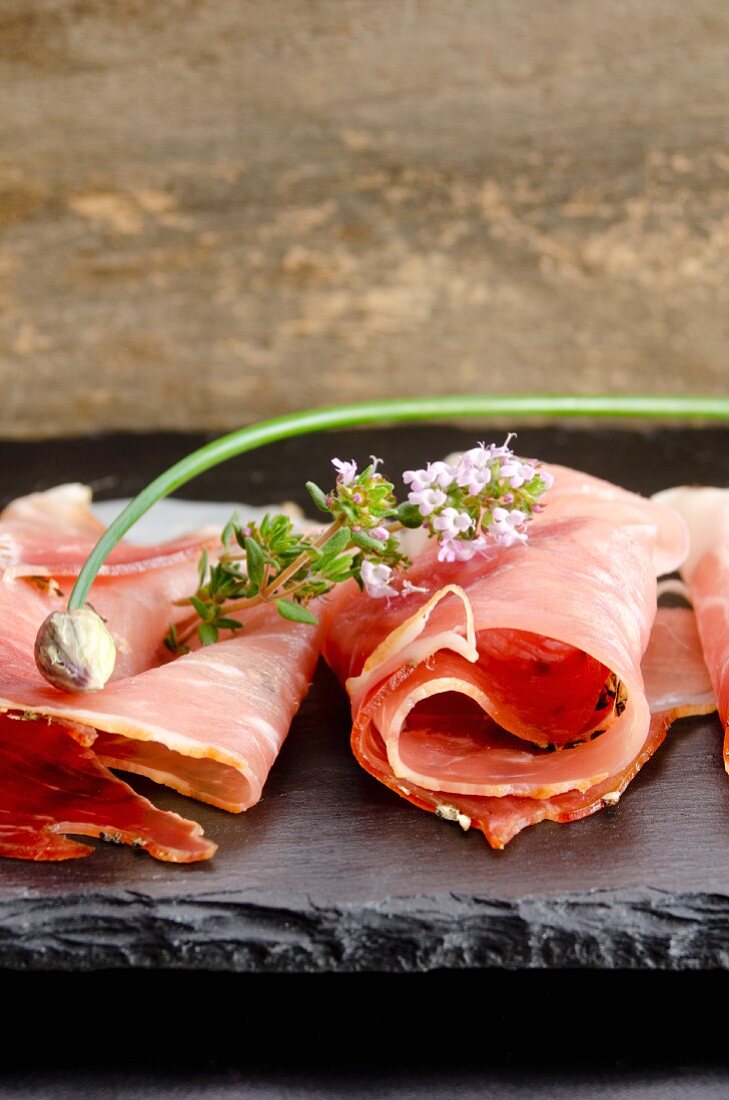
x=633, y=930
x=600, y=929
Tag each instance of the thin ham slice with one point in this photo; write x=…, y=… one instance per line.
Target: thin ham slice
x=706, y=574
x=209, y=724
x=511, y=689
x=53, y=532
x=52, y=784
x=654, y=522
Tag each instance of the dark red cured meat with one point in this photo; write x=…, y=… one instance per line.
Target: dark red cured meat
x=52, y=784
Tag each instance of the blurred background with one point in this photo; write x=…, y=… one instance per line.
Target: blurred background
x=217, y=210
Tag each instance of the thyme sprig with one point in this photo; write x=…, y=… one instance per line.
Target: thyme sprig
x=271, y=561
x=485, y=495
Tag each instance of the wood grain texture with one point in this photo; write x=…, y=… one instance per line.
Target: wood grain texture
x=212, y=210
x=333, y=872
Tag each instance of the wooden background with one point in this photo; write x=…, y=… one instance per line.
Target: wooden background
x=214, y=210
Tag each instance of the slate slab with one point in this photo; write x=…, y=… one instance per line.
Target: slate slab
x=331, y=872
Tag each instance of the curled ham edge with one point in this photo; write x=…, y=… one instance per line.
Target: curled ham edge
x=505, y=811
x=407, y=646
x=388, y=688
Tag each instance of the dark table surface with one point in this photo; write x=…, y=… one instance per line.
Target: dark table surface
x=331, y=873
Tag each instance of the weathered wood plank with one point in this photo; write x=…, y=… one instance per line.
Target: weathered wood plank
x=212, y=210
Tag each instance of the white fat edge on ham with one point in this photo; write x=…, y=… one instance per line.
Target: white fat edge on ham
x=674, y=643
x=405, y=645
x=589, y=763
x=577, y=768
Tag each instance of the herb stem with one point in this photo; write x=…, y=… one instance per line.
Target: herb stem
x=302, y=559
x=395, y=411
x=189, y=626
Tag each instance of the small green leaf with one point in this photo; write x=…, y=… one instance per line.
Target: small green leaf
x=229, y=529
x=366, y=542
x=228, y=624
x=254, y=561
x=207, y=633
x=317, y=496
x=409, y=515
x=230, y=568
x=338, y=542
x=203, y=609
x=202, y=568
x=172, y=643
x=295, y=613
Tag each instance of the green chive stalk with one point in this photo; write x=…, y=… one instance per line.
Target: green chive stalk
x=393, y=411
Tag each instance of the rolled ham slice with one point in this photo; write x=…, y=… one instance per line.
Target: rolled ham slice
x=510, y=688
x=706, y=575
x=209, y=724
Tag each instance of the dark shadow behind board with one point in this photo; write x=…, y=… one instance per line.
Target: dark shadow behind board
x=331, y=872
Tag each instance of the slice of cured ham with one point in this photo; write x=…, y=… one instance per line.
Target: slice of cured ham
x=52, y=784
x=511, y=689
x=576, y=493
x=706, y=573
x=53, y=532
x=209, y=724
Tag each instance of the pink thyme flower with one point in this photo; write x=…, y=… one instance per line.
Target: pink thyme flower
x=472, y=477
x=452, y=523
x=506, y=527
x=417, y=480
x=346, y=471
x=428, y=500
x=477, y=457
x=462, y=549
x=380, y=533
x=448, y=550
x=518, y=473
x=504, y=451
x=376, y=580
x=440, y=474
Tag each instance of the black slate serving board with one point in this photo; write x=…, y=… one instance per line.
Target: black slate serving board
x=331, y=872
